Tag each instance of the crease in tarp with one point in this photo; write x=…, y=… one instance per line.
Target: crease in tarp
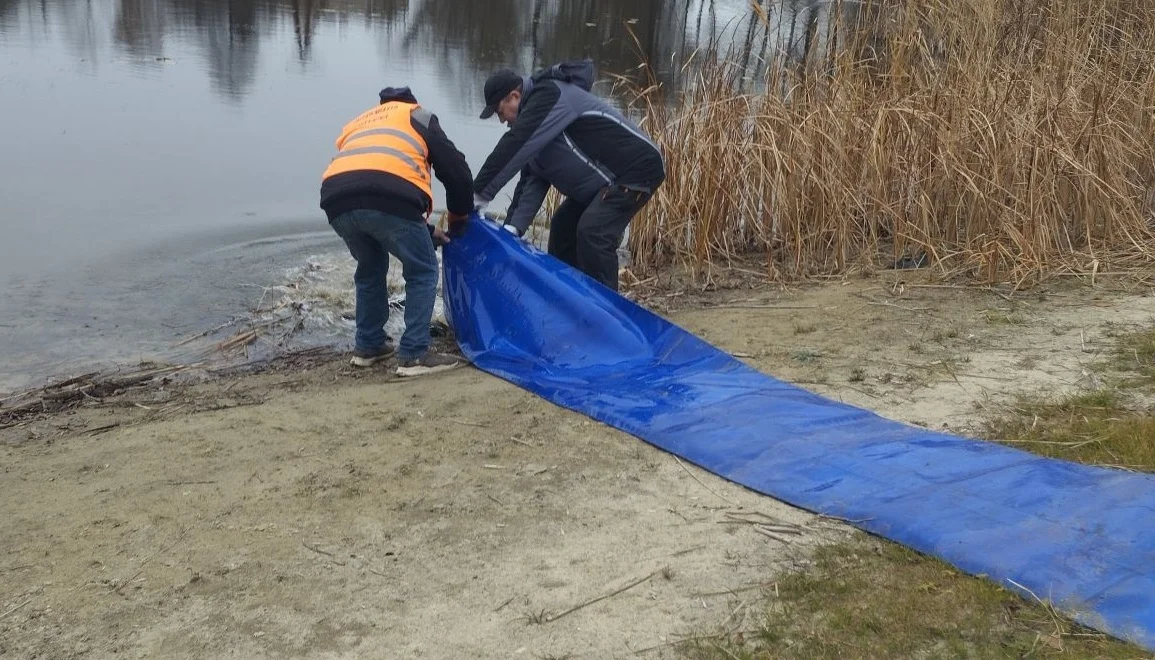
x=1079, y=536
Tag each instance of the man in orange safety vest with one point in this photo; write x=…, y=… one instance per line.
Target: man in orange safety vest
x=378, y=195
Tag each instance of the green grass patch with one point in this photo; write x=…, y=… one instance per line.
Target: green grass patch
x=874, y=599
x=1135, y=353
x=1103, y=427
x=1094, y=428
x=806, y=355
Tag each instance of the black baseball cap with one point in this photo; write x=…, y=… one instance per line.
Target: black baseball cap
x=497, y=87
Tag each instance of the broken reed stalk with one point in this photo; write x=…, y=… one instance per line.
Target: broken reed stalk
x=1008, y=140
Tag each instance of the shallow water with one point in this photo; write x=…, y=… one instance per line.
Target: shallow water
x=161, y=158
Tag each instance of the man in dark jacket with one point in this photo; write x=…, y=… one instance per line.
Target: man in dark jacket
x=562, y=135
x=378, y=195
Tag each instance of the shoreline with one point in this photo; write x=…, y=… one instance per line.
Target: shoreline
x=335, y=511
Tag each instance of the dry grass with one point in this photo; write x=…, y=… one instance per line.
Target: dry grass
x=1114, y=425
x=1095, y=428
x=1136, y=354
x=873, y=599
x=1005, y=139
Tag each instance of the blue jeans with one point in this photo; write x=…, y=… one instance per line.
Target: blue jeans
x=372, y=236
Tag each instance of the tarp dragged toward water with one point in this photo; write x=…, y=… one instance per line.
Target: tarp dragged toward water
x=1082, y=537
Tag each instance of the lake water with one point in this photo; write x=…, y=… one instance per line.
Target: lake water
x=160, y=159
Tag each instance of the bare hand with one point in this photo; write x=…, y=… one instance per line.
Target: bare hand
x=440, y=237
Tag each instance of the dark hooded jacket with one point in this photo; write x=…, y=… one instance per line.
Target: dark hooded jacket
x=566, y=137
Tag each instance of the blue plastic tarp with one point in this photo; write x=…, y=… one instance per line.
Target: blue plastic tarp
x=1082, y=537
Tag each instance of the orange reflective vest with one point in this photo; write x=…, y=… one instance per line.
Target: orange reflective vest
x=384, y=139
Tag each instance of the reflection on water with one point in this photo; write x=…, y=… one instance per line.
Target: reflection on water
x=140, y=135
x=469, y=38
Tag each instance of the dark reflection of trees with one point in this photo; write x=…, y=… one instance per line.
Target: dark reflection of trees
x=465, y=39
x=306, y=14
x=140, y=27
x=479, y=35
x=469, y=40
x=229, y=35
x=383, y=11
x=78, y=22
x=304, y=19
x=7, y=8
x=617, y=34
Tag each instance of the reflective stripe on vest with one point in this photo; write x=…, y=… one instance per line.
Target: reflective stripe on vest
x=384, y=139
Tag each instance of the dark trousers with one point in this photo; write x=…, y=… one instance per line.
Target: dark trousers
x=587, y=236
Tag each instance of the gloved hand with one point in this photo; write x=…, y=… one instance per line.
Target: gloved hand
x=456, y=223
x=511, y=229
x=479, y=204
x=438, y=236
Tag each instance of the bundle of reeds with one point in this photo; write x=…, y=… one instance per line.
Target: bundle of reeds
x=1004, y=139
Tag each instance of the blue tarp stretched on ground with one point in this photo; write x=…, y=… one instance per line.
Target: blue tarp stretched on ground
x=1080, y=536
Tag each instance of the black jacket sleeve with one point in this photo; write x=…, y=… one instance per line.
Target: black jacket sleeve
x=537, y=124
x=448, y=163
x=527, y=198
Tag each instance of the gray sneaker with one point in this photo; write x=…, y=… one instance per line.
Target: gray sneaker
x=364, y=358
x=428, y=364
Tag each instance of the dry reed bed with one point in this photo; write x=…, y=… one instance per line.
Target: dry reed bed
x=1007, y=139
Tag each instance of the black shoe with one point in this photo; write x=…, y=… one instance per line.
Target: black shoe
x=428, y=364
x=364, y=358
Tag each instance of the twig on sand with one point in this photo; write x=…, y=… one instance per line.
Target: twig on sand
x=324, y=552
x=102, y=429
x=760, y=307
x=732, y=592
x=962, y=288
x=502, y=606
x=1121, y=273
x=849, y=521
x=883, y=303
x=763, y=526
x=318, y=550
x=772, y=535
x=745, y=515
x=53, y=386
x=716, y=493
x=5, y=615
x=206, y=333
x=575, y=608
x=14, y=609
x=861, y=391
x=240, y=340
x=465, y=423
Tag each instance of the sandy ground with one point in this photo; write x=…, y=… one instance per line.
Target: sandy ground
x=317, y=512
